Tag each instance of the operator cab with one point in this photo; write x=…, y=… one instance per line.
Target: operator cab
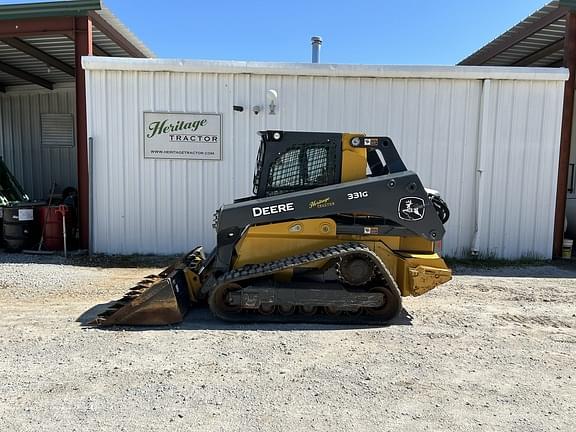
x=294, y=161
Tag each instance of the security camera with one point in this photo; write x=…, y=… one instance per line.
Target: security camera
x=256, y=109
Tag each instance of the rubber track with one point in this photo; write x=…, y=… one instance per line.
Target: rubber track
x=253, y=271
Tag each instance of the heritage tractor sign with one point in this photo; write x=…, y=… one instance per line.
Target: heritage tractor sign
x=182, y=136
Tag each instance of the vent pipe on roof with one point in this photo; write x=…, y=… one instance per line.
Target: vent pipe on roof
x=316, y=44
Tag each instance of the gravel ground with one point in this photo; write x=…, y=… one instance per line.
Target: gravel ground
x=493, y=350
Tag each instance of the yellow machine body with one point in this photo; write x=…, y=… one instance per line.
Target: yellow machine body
x=415, y=266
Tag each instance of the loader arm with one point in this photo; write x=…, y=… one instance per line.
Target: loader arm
x=399, y=200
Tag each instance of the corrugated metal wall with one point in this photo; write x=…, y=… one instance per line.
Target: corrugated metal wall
x=520, y=150
x=166, y=206
x=34, y=165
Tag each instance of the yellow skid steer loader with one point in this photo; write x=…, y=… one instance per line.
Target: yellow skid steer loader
x=337, y=231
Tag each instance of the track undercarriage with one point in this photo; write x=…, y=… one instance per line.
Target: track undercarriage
x=251, y=293
x=352, y=286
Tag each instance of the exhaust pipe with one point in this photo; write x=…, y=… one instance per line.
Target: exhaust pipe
x=316, y=44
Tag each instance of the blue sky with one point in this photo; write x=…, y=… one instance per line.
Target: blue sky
x=369, y=32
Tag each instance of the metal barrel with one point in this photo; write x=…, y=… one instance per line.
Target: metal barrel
x=51, y=222
x=20, y=228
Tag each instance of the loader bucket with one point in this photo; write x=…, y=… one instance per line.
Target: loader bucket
x=158, y=299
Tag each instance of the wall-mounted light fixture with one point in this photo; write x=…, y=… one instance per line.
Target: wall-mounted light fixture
x=272, y=99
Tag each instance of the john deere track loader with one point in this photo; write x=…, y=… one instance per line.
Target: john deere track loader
x=338, y=230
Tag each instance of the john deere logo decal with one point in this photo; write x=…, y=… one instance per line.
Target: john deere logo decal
x=411, y=208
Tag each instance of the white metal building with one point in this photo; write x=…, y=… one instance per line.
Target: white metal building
x=486, y=137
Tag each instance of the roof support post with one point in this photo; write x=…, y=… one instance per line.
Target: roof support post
x=566, y=133
x=82, y=47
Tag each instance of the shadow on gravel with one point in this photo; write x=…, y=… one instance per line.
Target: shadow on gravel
x=546, y=270
x=202, y=319
x=83, y=260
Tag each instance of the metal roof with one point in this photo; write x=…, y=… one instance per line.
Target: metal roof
x=48, y=9
x=50, y=57
x=536, y=41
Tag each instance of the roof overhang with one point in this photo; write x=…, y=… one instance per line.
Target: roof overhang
x=48, y=9
x=37, y=41
x=537, y=41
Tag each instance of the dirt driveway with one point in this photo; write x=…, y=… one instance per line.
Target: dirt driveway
x=493, y=350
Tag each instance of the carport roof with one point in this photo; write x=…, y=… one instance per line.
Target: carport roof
x=537, y=41
x=37, y=41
